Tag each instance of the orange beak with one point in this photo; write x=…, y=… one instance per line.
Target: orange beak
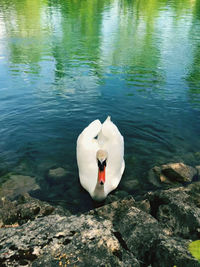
x=101, y=176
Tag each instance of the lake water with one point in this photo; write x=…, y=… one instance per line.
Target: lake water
x=65, y=63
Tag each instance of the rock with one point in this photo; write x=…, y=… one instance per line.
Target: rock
x=173, y=252
x=143, y=205
x=112, y=210
x=130, y=185
x=198, y=171
x=172, y=174
x=154, y=176
x=80, y=241
x=117, y=234
x=178, y=210
x=178, y=172
x=23, y=209
x=193, y=191
x=148, y=239
x=56, y=175
x=17, y=184
x=8, y=212
x=25, y=166
x=197, y=155
x=119, y=194
x=138, y=228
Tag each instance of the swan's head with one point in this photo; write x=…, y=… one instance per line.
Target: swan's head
x=102, y=156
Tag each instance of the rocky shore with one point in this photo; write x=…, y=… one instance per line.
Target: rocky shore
x=154, y=231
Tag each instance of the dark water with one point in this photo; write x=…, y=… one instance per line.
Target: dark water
x=66, y=63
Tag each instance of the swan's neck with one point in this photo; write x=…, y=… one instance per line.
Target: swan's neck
x=99, y=193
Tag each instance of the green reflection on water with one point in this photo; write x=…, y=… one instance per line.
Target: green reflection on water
x=81, y=27
x=124, y=49
x=151, y=43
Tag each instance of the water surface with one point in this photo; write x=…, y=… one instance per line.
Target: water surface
x=65, y=63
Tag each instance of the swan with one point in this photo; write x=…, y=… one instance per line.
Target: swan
x=100, y=158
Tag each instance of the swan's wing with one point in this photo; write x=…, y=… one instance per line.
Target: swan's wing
x=91, y=131
x=123, y=167
x=109, y=131
x=113, y=142
x=86, y=149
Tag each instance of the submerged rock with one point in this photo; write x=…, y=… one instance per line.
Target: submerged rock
x=154, y=176
x=178, y=172
x=56, y=175
x=198, y=171
x=130, y=185
x=171, y=173
x=17, y=184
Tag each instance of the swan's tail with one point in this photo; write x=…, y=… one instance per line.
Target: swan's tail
x=108, y=118
x=109, y=129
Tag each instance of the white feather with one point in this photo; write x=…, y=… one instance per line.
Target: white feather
x=109, y=139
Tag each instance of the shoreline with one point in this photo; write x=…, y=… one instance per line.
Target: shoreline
x=154, y=231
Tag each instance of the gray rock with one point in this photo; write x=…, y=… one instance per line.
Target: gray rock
x=143, y=205
x=119, y=194
x=25, y=167
x=171, y=174
x=117, y=234
x=54, y=240
x=56, y=175
x=24, y=209
x=198, y=171
x=151, y=242
x=197, y=155
x=17, y=184
x=178, y=210
x=113, y=209
x=154, y=176
x=130, y=185
x=178, y=172
x=173, y=252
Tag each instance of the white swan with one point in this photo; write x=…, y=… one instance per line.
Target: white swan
x=100, y=158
